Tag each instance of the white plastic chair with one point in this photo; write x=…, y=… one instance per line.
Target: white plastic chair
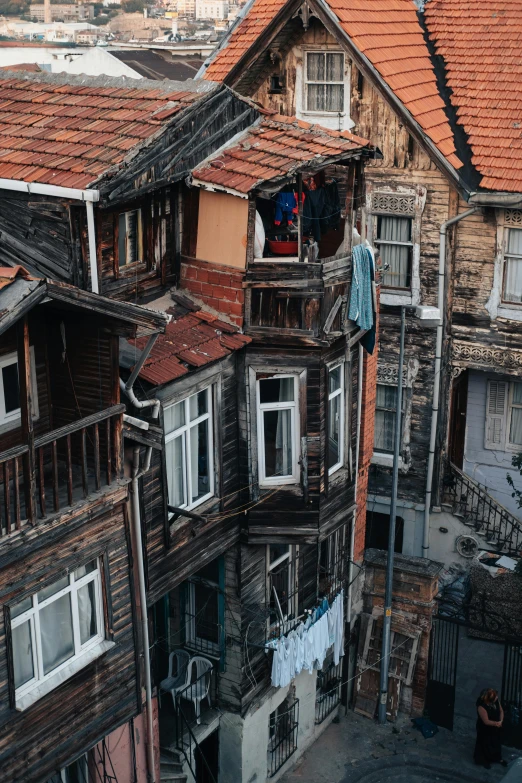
x=197, y=690
x=174, y=683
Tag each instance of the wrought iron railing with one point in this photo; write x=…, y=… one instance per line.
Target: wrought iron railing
x=186, y=741
x=64, y=467
x=284, y=727
x=477, y=509
x=328, y=691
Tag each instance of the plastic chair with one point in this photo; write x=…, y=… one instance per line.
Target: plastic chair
x=174, y=683
x=197, y=690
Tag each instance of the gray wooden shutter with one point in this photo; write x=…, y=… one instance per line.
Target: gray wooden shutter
x=496, y=406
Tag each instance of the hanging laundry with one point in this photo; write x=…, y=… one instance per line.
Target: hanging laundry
x=285, y=207
x=361, y=295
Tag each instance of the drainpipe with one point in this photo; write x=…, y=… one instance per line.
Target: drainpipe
x=127, y=388
x=136, y=519
x=89, y=197
x=436, y=378
x=357, y=447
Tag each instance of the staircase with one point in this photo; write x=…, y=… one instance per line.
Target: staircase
x=470, y=502
x=171, y=766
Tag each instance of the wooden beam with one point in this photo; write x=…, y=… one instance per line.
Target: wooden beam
x=26, y=411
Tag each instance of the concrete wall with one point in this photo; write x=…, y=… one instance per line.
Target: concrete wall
x=91, y=61
x=486, y=466
x=243, y=742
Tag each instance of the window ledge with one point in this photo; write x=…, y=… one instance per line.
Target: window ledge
x=385, y=460
x=41, y=689
x=396, y=298
x=514, y=312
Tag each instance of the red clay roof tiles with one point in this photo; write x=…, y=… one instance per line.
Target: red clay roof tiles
x=389, y=34
x=273, y=149
x=191, y=340
x=480, y=43
x=70, y=134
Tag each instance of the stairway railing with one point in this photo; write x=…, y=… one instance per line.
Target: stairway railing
x=186, y=741
x=472, y=503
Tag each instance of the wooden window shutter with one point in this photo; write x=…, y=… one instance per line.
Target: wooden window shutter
x=496, y=415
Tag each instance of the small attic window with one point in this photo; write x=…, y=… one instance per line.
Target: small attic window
x=276, y=84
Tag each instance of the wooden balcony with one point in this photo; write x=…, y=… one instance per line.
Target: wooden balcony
x=60, y=469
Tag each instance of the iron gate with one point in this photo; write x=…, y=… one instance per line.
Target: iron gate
x=442, y=671
x=511, y=697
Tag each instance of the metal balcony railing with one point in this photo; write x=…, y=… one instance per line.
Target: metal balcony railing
x=477, y=509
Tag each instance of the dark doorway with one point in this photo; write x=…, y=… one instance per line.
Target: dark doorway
x=442, y=672
x=206, y=756
x=459, y=403
x=378, y=531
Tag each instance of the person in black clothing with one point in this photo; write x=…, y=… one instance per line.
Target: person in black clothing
x=490, y=716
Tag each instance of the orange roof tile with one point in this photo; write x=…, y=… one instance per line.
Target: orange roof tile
x=479, y=41
x=71, y=133
x=388, y=33
x=272, y=150
x=192, y=339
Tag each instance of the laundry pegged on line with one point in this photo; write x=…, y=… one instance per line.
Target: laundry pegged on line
x=307, y=645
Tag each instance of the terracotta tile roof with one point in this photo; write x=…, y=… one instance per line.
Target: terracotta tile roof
x=479, y=41
x=389, y=34
x=274, y=149
x=8, y=274
x=191, y=340
x=71, y=132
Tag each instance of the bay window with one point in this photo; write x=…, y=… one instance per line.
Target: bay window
x=55, y=626
x=278, y=432
x=335, y=418
x=188, y=444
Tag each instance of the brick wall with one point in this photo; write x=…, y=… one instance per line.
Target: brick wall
x=366, y=444
x=217, y=286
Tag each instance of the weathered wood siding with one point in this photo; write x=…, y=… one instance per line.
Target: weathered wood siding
x=73, y=717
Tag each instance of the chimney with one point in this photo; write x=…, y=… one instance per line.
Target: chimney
x=47, y=12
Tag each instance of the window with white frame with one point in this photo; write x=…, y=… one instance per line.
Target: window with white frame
x=282, y=587
x=512, y=286
x=130, y=237
x=504, y=416
x=188, y=445
x=56, y=626
x=77, y=772
x=385, y=412
x=324, y=82
x=335, y=418
x=278, y=431
x=10, y=388
x=394, y=240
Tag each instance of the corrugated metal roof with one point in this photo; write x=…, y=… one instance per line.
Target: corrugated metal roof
x=273, y=150
x=70, y=132
x=389, y=34
x=191, y=340
x=479, y=41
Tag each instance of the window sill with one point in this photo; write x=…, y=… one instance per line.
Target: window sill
x=43, y=688
x=512, y=312
x=390, y=297
x=385, y=460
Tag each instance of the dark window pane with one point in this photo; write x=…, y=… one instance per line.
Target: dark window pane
x=278, y=443
x=277, y=551
x=11, y=388
x=200, y=456
x=207, y=613
x=276, y=390
x=122, y=244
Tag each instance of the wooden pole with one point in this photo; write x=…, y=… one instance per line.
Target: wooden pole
x=26, y=410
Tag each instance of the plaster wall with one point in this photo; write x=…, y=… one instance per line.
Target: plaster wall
x=413, y=516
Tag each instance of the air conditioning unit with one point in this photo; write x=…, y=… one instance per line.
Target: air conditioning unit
x=466, y=546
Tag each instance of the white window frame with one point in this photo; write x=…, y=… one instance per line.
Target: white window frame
x=184, y=432
x=293, y=586
x=502, y=416
x=15, y=416
x=32, y=616
x=293, y=406
x=506, y=257
x=392, y=243
x=306, y=81
x=139, y=238
x=331, y=395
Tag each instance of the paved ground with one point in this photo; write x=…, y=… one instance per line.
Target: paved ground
x=357, y=750
x=479, y=666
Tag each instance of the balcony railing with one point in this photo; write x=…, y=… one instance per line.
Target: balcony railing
x=477, y=509
x=64, y=466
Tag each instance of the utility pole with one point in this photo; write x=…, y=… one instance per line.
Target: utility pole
x=388, y=593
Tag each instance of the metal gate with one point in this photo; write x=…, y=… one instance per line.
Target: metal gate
x=442, y=671
x=511, y=697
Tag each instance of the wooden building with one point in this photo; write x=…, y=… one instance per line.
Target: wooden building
x=68, y=640
x=332, y=63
